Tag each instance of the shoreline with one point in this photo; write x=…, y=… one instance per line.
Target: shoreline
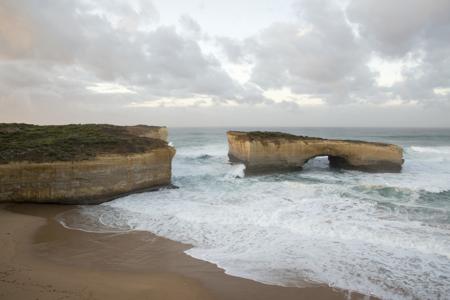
x=41, y=259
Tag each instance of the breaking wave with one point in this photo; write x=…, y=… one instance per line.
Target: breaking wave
x=386, y=235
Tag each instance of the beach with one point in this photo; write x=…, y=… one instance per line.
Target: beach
x=319, y=233
x=40, y=259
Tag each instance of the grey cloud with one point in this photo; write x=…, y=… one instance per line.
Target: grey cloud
x=397, y=27
x=190, y=25
x=78, y=38
x=232, y=48
x=50, y=51
x=318, y=55
x=321, y=55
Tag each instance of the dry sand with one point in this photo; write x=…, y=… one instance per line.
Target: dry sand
x=40, y=259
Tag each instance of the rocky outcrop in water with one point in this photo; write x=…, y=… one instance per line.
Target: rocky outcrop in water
x=90, y=164
x=272, y=151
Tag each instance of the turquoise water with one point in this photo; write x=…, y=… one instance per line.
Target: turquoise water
x=386, y=235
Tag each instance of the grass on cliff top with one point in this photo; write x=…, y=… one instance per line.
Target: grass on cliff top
x=274, y=136
x=267, y=135
x=33, y=143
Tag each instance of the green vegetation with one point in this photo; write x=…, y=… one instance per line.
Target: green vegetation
x=24, y=142
x=258, y=135
x=275, y=137
x=271, y=136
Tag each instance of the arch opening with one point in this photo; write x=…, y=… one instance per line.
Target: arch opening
x=327, y=161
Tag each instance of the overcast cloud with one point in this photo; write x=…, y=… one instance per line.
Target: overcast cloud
x=207, y=63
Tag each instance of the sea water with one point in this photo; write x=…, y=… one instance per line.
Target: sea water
x=381, y=234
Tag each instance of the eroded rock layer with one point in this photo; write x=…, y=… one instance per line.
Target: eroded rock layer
x=104, y=173
x=271, y=151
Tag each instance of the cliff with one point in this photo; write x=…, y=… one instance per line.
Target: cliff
x=154, y=132
x=270, y=151
x=81, y=164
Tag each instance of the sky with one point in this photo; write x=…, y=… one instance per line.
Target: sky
x=182, y=63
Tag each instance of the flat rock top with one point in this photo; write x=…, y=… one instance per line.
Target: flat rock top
x=75, y=142
x=276, y=137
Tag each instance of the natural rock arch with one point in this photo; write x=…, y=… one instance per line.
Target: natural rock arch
x=269, y=151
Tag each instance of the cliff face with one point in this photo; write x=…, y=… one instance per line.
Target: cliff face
x=110, y=172
x=87, y=181
x=262, y=152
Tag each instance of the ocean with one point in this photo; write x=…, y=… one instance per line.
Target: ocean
x=383, y=234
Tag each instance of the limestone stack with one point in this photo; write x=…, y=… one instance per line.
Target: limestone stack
x=271, y=151
x=106, y=175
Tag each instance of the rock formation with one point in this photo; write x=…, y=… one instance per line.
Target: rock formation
x=270, y=151
x=92, y=163
x=154, y=132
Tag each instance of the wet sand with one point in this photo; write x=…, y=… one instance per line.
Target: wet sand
x=40, y=259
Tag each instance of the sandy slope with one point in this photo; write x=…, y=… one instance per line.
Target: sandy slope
x=40, y=259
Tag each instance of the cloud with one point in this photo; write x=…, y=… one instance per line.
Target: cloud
x=190, y=25
x=360, y=52
x=91, y=56
x=94, y=41
x=413, y=33
x=318, y=55
x=397, y=27
x=232, y=48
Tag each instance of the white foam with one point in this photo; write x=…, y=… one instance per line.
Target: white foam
x=312, y=226
x=434, y=150
x=237, y=171
x=214, y=150
x=422, y=171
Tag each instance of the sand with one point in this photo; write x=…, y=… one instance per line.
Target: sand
x=40, y=259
